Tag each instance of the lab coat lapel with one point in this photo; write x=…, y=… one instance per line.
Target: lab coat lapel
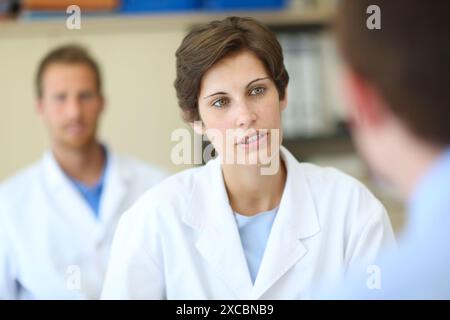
x=219, y=241
x=114, y=191
x=68, y=202
x=296, y=220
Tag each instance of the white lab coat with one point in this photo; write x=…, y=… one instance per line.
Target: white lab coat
x=181, y=241
x=51, y=244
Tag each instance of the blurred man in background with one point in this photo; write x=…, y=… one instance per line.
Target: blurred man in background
x=398, y=80
x=57, y=217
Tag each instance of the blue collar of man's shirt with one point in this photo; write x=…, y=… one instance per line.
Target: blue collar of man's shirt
x=431, y=197
x=92, y=194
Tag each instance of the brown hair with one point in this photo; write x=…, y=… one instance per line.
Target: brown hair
x=68, y=54
x=408, y=59
x=207, y=44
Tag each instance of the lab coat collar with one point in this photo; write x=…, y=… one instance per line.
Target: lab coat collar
x=66, y=195
x=296, y=221
x=297, y=199
x=117, y=180
x=219, y=240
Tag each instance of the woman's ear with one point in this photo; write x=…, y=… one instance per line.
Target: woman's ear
x=197, y=126
x=283, y=102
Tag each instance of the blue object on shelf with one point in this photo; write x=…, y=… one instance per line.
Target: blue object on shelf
x=244, y=4
x=141, y=6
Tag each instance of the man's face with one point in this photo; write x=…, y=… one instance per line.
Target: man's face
x=70, y=104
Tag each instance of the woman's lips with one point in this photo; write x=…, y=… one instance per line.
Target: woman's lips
x=254, y=140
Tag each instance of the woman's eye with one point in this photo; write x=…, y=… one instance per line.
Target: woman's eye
x=257, y=91
x=219, y=103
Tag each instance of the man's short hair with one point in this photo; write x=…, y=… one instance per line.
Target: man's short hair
x=407, y=60
x=67, y=54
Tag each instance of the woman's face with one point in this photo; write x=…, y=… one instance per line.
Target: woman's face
x=241, y=109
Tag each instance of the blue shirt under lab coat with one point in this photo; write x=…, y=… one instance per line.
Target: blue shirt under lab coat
x=92, y=194
x=254, y=232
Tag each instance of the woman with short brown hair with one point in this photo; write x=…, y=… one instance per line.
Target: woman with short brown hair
x=253, y=223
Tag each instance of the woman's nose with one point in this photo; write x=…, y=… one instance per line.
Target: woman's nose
x=245, y=116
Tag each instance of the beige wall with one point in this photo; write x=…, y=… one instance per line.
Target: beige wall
x=138, y=69
x=137, y=58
